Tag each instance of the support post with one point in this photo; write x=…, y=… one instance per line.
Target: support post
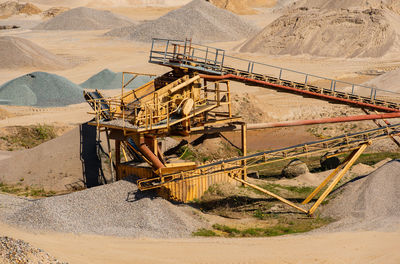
x=244, y=150
x=339, y=176
x=118, y=158
x=110, y=155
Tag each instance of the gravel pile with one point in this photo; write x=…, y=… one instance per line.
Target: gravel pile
x=84, y=18
x=18, y=52
x=41, y=89
x=199, y=20
x=367, y=203
x=116, y=209
x=107, y=79
x=18, y=251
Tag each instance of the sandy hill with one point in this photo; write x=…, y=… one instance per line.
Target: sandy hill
x=41, y=89
x=10, y=8
x=199, y=20
x=345, y=4
x=51, y=165
x=389, y=81
x=17, y=52
x=242, y=7
x=329, y=33
x=83, y=18
x=111, y=3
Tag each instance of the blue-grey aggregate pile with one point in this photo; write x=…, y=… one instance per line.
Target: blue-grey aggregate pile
x=199, y=20
x=107, y=79
x=41, y=89
x=84, y=18
x=116, y=209
x=367, y=203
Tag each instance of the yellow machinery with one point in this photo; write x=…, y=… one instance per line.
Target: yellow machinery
x=194, y=97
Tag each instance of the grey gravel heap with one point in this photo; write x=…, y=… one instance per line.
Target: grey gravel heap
x=198, y=20
x=17, y=251
x=107, y=79
x=41, y=89
x=116, y=209
x=367, y=203
x=84, y=18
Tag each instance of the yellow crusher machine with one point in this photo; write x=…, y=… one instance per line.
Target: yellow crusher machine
x=195, y=98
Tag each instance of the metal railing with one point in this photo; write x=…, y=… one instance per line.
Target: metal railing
x=215, y=61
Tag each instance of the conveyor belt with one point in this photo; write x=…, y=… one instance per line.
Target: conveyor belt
x=341, y=143
x=214, y=64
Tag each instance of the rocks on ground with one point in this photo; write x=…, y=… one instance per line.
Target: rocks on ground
x=295, y=168
x=19, y=251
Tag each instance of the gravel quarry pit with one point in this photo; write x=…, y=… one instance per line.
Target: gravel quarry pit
x=199, y=20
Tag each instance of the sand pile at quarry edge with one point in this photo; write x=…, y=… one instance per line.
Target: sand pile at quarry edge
x=369, y=202
x=84, y=18
x=199, y=20
x=389, y=81
x=10, y=8
x=107, y=79
x=41, y=89
x=17, y=52
x=51, y=165
x=337, y=33
x=116, y=209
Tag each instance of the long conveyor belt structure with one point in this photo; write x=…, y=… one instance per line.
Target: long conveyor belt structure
x=214, y=64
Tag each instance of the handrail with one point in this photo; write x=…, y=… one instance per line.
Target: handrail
x=219, y=65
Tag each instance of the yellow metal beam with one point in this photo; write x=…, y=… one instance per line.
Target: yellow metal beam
x=271, y=194
x=330, y=177
x=338, y=178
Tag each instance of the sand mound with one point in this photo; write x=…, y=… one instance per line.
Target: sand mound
x=389, y=81
x=368, y=203
x=51, y=165
x=18, y=52
x=83, y=18
x=54, y=11
x=116, y=209
x=199, y=20
x=10, y=8
x=339, y=33
x=235, y=6
x=344, y=4
x=243, y=7
x=107, y=79
x=41, y=89
x=4, y=114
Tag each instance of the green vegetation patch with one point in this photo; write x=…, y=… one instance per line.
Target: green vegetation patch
x=25, y=191
x=29, y=136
